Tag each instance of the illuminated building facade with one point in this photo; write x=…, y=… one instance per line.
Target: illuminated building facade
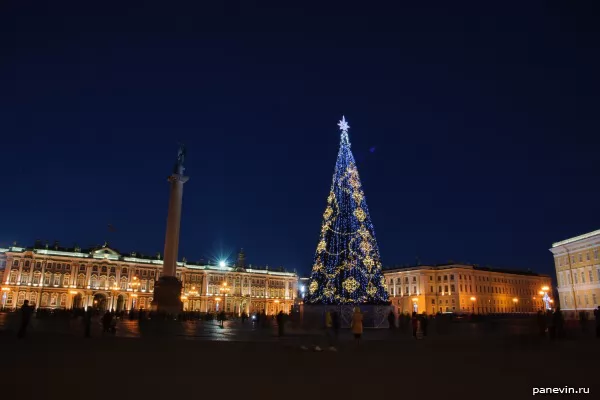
x=577, y=264
x=104, y=279
x=463, y=288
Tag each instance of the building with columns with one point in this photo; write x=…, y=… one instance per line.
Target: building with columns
x=577, y=264
x=105, y=279
x=462, y=288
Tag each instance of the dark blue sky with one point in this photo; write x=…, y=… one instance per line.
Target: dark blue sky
x=475, y=128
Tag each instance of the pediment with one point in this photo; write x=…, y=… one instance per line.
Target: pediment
x=105, y=251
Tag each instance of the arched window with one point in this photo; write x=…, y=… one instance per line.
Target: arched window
x=44, y=302
x=21, y=298
x=9, y=298
x=80, y=280
x=53, y=298
x=111, y=282
x=66, y=280
x=27, y=263
x=13, y=277
x=123, y=283
x=32, y=298
x=36, y=277
x=57, y=279
x=63, y=300
x=142, y=302
x=47, y=277
x=94, y=282
x=103, y=281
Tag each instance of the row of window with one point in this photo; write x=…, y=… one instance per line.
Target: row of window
x=462, y=277
x=577, y=258
x=567, y=300
x=578, y=277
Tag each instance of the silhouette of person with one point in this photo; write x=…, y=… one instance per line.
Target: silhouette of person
x=26, y=312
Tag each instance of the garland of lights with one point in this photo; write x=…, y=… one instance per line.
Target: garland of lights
x=347, y=265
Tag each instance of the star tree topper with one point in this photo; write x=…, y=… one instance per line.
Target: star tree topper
x=343, y=124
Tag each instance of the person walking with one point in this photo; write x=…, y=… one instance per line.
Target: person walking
x=597, y=316
x=26, y=312
x=391, y=320
x=87, y=322
x=335, y=320
x=280, y=323
x=424, y=322
x=415, y=324
x=329, y=330
x=357, y=325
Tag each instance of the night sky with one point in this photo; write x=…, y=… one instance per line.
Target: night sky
x=475, y=128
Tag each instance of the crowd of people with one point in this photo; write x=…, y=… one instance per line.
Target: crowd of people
x=550, y=323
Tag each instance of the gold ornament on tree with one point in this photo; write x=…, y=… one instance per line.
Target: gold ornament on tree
x=360, y=214
x=313, y=287
x=321, y=247
x=358, y=197
x=365, y=246
x=371, y=289
x=350, y=285
x=327, y=213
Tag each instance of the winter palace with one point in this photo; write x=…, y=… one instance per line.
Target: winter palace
x=105, y=279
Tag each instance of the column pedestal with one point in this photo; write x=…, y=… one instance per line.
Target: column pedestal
x=167, y=295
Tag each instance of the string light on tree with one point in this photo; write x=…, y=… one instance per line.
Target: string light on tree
x=347, y=265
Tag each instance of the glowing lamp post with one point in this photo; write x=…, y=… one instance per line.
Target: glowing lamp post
x=473, y=303
x=515, y=301
x=5, y=291
x=133, y=300
x=224, y=289
x=545, y=297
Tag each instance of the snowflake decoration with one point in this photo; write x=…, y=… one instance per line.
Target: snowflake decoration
x=360, y=214
x=358, y=197
x=365, y=247
x=350, y=285
x=371, y=289
x=368, y=261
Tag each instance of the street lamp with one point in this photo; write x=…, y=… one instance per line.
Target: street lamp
x=515, y=301
x=217, y=299
x=547, y=300
x=133, y=300
x=135, y=284
x=224, y=289
x=473, y=303
x=5, y=291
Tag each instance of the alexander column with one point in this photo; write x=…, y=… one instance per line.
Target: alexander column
x=167, y=291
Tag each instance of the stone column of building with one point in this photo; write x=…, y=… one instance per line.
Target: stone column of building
x=167, y=291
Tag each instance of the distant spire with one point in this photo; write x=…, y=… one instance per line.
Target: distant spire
x=241, y=259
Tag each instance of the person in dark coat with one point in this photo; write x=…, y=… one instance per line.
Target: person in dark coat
x=415, y=324
x=280, y=323
x=392, y=320
x=559, y=323
x=335, y=320
x=541, y=320
x=87, y=322
x=26, y=312
x=424, y=322
x=106, y=320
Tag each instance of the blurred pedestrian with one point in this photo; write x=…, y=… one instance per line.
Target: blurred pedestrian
x=87, y=322
x=415, y=324
x=357, y=325
x=26, y=312
x=424, y=323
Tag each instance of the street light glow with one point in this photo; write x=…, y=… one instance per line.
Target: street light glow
x=222, y=264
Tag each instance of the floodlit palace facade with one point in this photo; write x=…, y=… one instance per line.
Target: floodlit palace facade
x=577, y=264
x=106, y=280
x=462, y=288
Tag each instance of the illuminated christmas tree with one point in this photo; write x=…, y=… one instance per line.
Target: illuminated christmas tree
x=347, y=267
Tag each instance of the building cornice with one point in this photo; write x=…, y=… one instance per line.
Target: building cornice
x=591, y=236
